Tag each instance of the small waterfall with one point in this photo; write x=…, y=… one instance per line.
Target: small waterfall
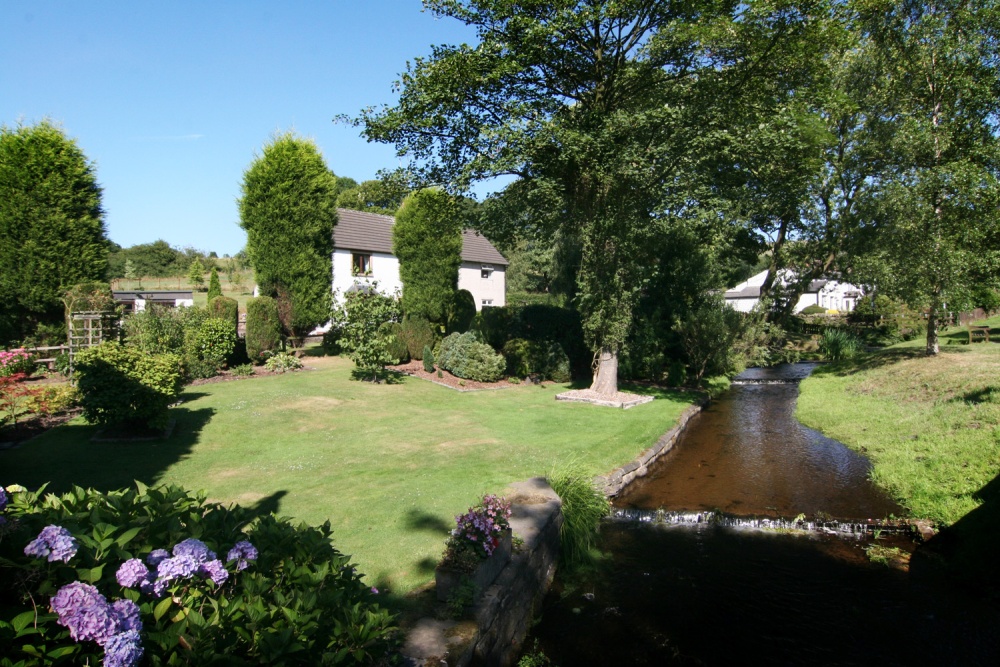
x=739, y=382
x=827, y=526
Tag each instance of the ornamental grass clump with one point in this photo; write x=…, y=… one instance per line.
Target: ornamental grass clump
x=162, y=577
x=477, y=533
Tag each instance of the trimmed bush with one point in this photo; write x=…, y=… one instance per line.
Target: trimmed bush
x=215, y=341
x=395, y=345
x=813, y=310
x=543, y=358
x=465, y=357
x=263, y=327
x=224, y=308
x=494, y=325
x=537, y=322
x=417, y=333
x=249, y=589
x=428, y=359
x=124, y=385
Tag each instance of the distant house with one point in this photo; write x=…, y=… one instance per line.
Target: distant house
x=363, y=254
x=137, y=300
x=829, y=294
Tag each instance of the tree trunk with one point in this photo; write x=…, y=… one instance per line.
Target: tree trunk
x=933, y=346
x=606, y=375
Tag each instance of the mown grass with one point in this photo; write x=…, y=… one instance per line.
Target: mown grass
x=388, y=465
x=930, y=425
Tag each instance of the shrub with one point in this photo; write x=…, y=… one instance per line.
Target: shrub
x=282, y=362
x=16, y=362
x=461, y=312
x=224, y=308
x=493, y=325
x=465, y=357
x=263, y=327
x=13, y=396
x=123, y=385
x=428, y=359
x=62, y=364
x=155, y=330
x=364, y=338
x=813, y=310
x=536, y=322
x=243, y=370
x=543, y=358
x=837, y=345
x=418, y=334
x=215, y=342
x=228, y=586
x=395, y=345
x=583, y=507
x=52, y=399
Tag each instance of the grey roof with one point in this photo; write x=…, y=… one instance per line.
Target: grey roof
x=372, y=232
x=745, y=293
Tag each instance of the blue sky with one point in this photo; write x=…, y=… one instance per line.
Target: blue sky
x=171, y=100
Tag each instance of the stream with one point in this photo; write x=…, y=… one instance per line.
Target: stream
x=746, y=544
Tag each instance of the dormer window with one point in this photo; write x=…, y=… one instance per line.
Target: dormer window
x=487, y=271
x=361, y=264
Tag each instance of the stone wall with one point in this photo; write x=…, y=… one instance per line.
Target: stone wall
x=613, y=483
x=504, y=612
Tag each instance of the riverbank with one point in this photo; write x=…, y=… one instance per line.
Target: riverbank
x=931, y=428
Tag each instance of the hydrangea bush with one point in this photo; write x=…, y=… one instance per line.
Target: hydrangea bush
x=477, y=533
x=158, y=576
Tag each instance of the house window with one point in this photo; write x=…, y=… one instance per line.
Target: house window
x=487, y=302
x=361, y=264
x=487, y=271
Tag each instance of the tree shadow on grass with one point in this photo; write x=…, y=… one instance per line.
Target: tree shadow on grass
x=386, y=376
x=417, y=520
x=990, y=394
x=66, y=455
x=868, y=362
x=969, y=550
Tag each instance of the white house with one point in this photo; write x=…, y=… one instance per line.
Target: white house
x=829, y=294
x=363, y=254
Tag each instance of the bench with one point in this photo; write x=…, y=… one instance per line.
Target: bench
x=978, y=333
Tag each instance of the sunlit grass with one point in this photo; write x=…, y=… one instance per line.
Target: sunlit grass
x=930, y=425
x=389, y=465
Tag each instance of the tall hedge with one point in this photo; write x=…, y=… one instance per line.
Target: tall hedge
x=427, y=239
x=263, y=327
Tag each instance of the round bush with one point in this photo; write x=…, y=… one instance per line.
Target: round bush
x=215, y=341
x=225, y=308
x=465, y=357
x=161, y=575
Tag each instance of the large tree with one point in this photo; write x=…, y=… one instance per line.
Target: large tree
x=598, y=108
x=427, y=239
x=934, y=222
x=288, y=209
x=51, y=225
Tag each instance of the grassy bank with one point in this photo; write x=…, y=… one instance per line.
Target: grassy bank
x=389, y=465
x=930, y=425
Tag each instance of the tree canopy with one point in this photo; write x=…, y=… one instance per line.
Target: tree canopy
x=427, y=239
x=601, y=111
x=51, y=223
x=288, y=209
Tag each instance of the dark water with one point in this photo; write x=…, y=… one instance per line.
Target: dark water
x=710, y=593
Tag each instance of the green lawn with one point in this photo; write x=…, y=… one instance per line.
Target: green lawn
x=389, y=465
x=931, y=426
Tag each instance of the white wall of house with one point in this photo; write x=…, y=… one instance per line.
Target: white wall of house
x=140, y=304
x=384, y=270
x=836, y=296
x=486, y=282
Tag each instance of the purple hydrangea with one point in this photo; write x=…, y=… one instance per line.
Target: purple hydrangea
x=123, y=650
x=214, y=570
x=156, y=556
x=178, y=567
x=86, y=612
x=3, y=499
x=132, y=573
x=242, y=552
x=194, y=548
x=126, y=615
x=53, y=543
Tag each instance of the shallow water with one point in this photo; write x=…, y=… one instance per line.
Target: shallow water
x=682, y=587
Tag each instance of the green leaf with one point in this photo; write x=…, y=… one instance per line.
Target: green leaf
x=21, y=621
x=92, y=575
x=162, y=608
x=128, y=536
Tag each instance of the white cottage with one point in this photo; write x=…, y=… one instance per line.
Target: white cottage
x=829, y=294
x=363, y=254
